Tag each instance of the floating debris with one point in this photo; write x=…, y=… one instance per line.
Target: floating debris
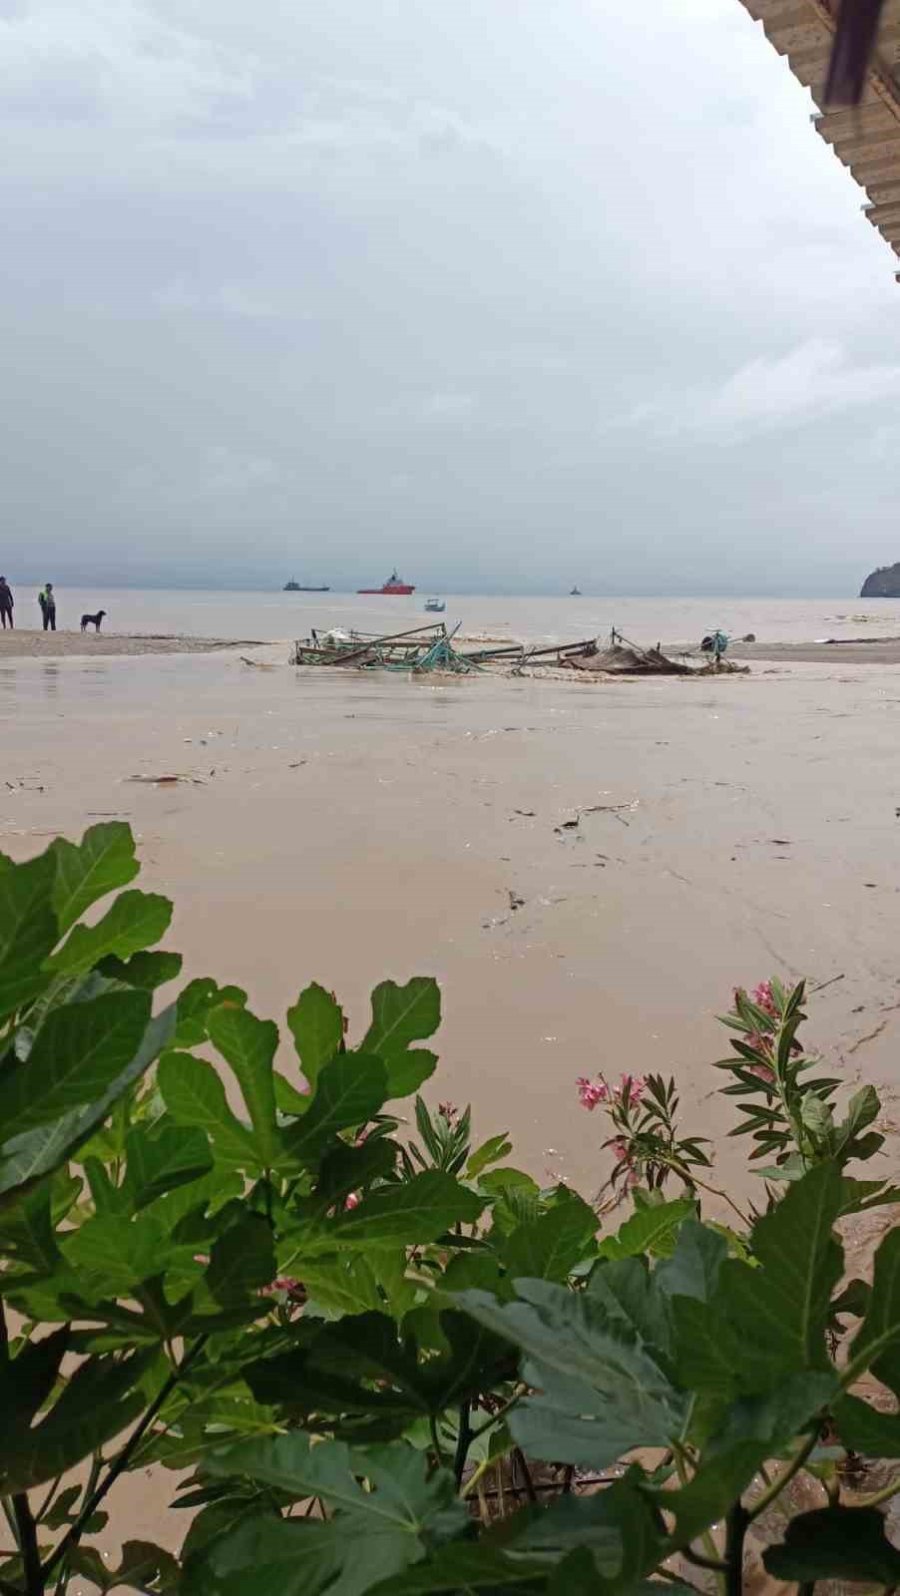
x=628, y=659
x=433, y=648
x=519, y=655
x=168, y=781
x=422, y=648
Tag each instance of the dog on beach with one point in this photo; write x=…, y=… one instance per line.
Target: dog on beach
x=92, y=620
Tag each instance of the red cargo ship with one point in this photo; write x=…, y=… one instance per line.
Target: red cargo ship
x=392, y=585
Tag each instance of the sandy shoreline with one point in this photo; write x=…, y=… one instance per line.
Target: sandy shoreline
x=857, y=651
x=23, y=644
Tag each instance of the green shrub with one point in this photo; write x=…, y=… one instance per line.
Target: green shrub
x=220, y=1256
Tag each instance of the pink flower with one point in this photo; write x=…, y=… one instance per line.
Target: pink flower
x=763, y=1072
x=632, y=1089
x=449, y=1111
x=620, y=1148
x=590, y=1093
x=762, y=997
x=282, y=1285
x=352, y=1200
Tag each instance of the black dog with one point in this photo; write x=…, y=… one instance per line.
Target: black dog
x=92, y=620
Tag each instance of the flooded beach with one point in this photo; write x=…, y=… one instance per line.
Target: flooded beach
x=326, y=327
x=588, y=868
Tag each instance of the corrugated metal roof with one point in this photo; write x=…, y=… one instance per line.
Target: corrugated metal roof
x=866, y=138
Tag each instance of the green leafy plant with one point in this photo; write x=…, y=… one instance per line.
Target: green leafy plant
x=645, y=1354
x=388, y=1361
x=788, y=1105
x=445, y=1139
x=645, y=1142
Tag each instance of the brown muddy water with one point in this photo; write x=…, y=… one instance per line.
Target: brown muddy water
x=348, y=827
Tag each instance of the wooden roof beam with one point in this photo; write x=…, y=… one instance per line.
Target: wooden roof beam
x=806, y=64
x=800, y=41
x=886, y=216
x=873, y=117
x=874, y=171
x=776, y=12
x=889, y=231
x=882, y=193
x=812, y=62
x=870, y=147
x=815, y=80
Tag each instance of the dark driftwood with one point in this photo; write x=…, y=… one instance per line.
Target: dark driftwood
x=523, y=652
x=589, y=646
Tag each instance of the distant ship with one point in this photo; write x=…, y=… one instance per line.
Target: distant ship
x=392, y=585
x=575, y=593
x=298, y=587
x=435, y=606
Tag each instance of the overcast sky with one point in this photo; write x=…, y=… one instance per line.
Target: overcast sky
x=509, y=294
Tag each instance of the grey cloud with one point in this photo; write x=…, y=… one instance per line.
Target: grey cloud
x=798, y=388
x=494, y=287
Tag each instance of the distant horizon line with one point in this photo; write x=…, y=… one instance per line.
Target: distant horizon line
x=154, y=586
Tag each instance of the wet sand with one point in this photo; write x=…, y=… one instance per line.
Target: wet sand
x=23, y=644
x=588, y=868
x=840, y=651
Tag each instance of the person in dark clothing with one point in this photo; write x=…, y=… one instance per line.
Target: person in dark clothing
x=6, y=603
x=47, y=601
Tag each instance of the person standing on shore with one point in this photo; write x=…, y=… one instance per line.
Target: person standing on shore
x=6, y=604
x=47, y=601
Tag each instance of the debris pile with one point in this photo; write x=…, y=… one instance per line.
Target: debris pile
x=626, y=659
x=433, y=648
x=423, y=648
x=518, y=655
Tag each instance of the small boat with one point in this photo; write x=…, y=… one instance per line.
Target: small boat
x=575, y=593
x=394, y=584
x=435, y=606
x=298, y=587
